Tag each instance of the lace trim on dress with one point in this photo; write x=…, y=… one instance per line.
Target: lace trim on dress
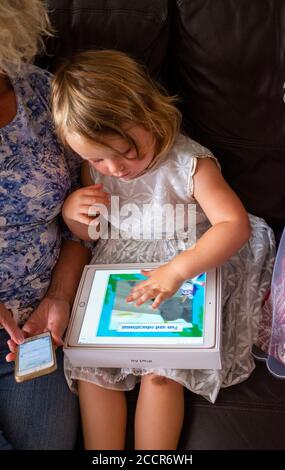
x=190, y=183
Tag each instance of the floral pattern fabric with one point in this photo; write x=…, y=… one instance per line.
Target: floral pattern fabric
x=35, y=177
x=245, y=277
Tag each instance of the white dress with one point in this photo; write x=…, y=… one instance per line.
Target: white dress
x=245, y=277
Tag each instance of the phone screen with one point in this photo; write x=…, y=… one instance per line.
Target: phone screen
x=35, y=355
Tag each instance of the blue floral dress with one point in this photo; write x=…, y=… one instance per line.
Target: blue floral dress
x=35, y=178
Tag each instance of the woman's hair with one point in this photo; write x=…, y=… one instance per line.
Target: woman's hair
x=22, y=22
x=98, y=93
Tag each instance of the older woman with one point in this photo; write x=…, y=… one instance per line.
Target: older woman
x=40, y=264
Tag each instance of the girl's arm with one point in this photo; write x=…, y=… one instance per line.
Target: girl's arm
x=230, y=224
x=230, y=230
x=76, y=208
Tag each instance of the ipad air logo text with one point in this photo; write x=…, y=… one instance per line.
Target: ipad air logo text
x=141, y=361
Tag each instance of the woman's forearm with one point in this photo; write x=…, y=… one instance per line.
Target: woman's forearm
x=216, y=246
x=67, y=271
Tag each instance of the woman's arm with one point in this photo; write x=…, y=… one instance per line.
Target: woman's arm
x=67, y=271
x=52, y=314
x=53, y=311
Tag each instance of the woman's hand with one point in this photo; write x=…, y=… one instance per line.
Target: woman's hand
x=162, y=283
x=82, y=205
x=52, y=315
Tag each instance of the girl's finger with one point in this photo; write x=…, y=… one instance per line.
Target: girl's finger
x=159, y=298
x=91, y=187
x=132, y=297
x=135, y=295
x=146, y=272
x=84, y=219
x=91, y=209
x=150, y=291
x=144, y=298
x=139, y=286
x=91, y=190
x=95, y=198
x=100, y=206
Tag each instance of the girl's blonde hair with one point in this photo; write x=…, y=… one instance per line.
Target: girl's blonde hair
x=97, y=93
x=22, y=22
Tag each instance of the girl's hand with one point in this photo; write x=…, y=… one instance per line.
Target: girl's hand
x=81, y=205
x=162, y=283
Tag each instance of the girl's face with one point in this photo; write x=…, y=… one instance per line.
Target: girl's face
x=119, y=159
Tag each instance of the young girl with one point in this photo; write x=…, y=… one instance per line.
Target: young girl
x=127, y=132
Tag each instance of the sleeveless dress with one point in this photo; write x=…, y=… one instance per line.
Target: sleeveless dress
x=245, y=276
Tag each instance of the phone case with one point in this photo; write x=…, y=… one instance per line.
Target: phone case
x=39, y=373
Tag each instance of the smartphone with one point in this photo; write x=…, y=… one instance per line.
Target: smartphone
x=35, y=357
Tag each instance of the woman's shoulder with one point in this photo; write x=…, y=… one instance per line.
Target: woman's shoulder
x=35, y=74
x=35, y=79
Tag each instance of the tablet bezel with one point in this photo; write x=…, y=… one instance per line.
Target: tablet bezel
x=82, y=298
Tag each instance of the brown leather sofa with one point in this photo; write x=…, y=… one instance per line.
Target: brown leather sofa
x=226, y=61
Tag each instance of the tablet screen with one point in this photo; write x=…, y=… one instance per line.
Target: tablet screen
x=109, y=319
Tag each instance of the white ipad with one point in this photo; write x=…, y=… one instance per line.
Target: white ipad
x=102, y=318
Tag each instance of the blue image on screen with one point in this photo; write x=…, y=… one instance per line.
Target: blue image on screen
x=181, y=315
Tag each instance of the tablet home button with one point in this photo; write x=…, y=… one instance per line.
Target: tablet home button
x=81, y=304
